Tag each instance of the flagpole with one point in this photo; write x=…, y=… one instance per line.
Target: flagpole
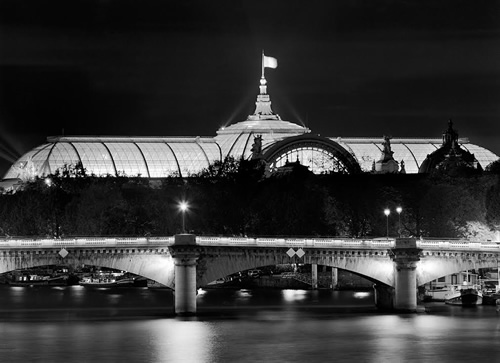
x=262, y=63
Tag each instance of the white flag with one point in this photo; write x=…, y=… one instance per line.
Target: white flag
x=270, y=62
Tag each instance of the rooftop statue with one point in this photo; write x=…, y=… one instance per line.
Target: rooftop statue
x=386, y=164
x=387, y=153
x=450, y=136
x=257, y=147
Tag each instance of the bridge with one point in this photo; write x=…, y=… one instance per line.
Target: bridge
x=185, y=262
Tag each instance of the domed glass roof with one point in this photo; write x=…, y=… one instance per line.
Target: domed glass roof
x=151, y=157
x=159, y=157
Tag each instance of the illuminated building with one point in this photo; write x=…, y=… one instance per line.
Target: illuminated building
x=263, y=133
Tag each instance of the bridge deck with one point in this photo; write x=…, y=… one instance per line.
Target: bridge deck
x=149, y=242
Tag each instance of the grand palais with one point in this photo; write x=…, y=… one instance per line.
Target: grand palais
x=263, y=133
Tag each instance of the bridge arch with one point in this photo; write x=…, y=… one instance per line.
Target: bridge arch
x=434, y=265
x=153, y=264
x=223, y=262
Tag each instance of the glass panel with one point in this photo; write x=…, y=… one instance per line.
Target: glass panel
x=95, y=158
x=190, y=156
x=212, y=150
x=62, y=154
x=30, y=164
x=160, y=159
x=483, y=156
x=239, y=150
x=366, y=153
x=128, y=159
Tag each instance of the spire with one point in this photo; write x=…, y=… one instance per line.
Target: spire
x=263, y=109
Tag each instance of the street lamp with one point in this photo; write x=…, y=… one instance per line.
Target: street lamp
x=387, y=212
x=183, y=206
x=399, y=210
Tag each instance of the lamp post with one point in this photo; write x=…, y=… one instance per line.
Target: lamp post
x=183, y=206
x=387, y=212
x=399, y=210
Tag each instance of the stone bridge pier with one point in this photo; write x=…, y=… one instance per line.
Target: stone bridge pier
x=405, y=255
x=185, y=257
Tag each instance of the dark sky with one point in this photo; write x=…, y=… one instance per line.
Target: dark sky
x=167, y=68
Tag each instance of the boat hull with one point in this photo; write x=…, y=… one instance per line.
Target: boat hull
x=465, y=297
x=436, y=294
x=490, y=299
x=98, y=284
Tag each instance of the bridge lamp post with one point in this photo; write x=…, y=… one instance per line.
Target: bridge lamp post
x=387, y=212
x=399, y=210
x=183, y=206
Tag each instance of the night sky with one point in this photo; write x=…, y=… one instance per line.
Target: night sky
x=185, y=68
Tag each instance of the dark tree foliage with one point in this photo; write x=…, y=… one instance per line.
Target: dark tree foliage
x=494, y=167
x=234, y=198
x=226, y=169
x=493, y=205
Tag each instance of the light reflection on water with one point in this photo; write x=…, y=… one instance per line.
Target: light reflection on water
x=85, y=325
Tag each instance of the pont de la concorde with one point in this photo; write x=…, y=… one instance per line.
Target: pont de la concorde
x=279, y=145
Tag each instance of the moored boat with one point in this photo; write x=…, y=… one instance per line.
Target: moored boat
x=464, y=295
x=39, y=280
x=112, y=280
x=151, y=284
x=491, y=291
x=98, y=282
x=491, y=299
x=437, y=293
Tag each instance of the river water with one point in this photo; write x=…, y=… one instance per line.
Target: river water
x=77, y=324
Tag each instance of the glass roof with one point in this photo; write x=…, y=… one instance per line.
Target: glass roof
x=484, y=156
x=412, y=151
x=119, y=156
x=157, y=157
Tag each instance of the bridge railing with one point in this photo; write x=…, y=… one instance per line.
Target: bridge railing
x=84, y=242
x=378, y=243
x=457, y=245
x=294, y=242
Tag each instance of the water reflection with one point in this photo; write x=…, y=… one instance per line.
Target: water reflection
x=88, y=325
x=291, y=296
x=361, y=294
x=188, y=341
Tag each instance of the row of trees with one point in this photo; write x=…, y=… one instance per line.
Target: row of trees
x=233, y=198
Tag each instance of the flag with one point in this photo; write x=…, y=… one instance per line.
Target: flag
x=270, y=62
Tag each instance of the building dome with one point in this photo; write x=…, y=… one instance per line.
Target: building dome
x=450, y=156
x=236, y=140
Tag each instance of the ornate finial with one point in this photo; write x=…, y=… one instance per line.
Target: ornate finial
x=263, y=109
